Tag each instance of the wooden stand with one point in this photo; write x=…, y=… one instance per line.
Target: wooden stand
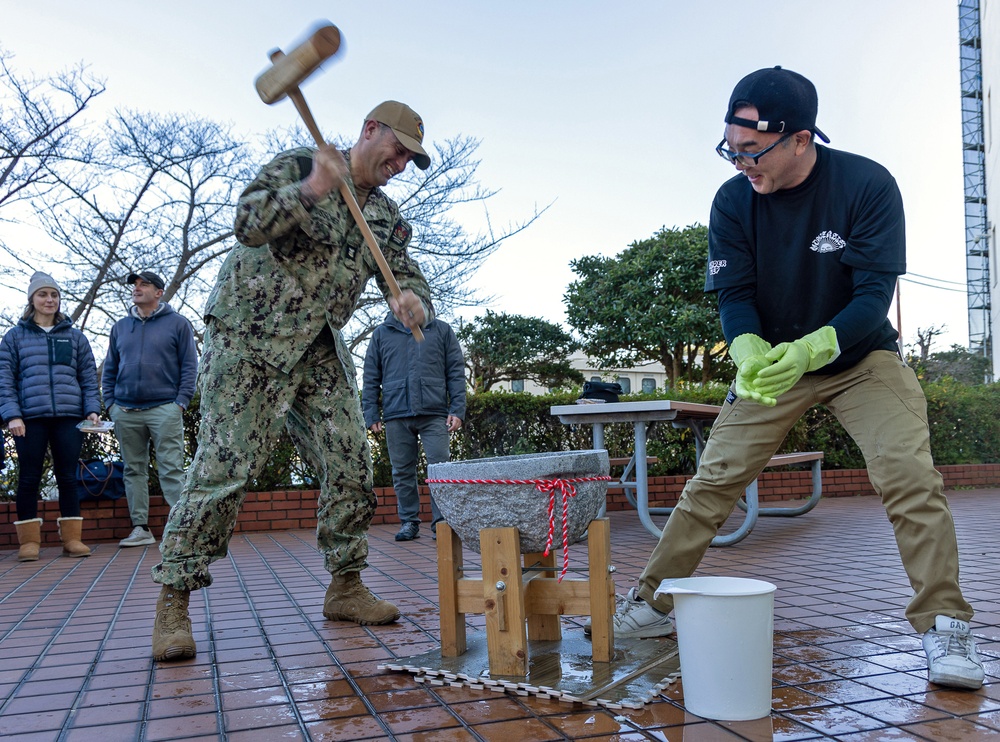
x=520, y=607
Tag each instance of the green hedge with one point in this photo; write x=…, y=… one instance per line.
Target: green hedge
x=963, y=421
x=502, y=424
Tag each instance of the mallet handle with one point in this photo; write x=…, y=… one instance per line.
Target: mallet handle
x=303, y=108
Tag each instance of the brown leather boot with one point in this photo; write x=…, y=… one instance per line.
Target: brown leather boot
x=347, y=599
x=29, y=536
x=172, y=637
x=70, y=531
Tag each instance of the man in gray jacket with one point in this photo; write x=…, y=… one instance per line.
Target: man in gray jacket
x=148, y=381
x=418, y=389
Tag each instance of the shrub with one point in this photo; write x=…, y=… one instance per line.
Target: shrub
x=962, y=423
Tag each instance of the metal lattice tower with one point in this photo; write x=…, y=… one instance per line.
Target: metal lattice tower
x=977, y=270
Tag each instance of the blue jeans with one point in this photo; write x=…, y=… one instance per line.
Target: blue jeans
x=401, y=437
x=41, y=434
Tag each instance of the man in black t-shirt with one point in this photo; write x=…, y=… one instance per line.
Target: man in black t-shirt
x=805, y=246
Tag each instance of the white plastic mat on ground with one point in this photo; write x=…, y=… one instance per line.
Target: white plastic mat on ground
x=640, y=670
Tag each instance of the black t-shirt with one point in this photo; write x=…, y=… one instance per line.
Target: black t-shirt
x=805, y=252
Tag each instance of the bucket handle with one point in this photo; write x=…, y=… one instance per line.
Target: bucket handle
x=668, y=587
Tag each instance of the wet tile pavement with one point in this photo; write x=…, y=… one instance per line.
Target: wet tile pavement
x=74, y=644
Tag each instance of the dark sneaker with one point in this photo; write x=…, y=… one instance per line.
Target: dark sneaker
x=408, y=531
x=951, y=655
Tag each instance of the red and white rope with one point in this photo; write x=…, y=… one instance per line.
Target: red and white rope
x=566, y=489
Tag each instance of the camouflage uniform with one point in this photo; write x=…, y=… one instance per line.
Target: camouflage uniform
x=274, y=357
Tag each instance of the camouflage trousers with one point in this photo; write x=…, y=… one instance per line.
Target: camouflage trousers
x=244, y=407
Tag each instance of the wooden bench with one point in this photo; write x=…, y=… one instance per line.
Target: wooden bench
x=750, y=503
x=628, y=461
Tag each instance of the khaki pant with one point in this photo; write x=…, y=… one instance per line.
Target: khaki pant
x=883, y=408
x=135, y=429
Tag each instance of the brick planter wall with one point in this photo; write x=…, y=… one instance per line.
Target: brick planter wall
x=108, y=520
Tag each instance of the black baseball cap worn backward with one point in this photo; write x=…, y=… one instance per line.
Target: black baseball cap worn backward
x=785, y=102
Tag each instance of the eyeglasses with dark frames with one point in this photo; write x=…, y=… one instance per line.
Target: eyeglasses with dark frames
x=746, y=159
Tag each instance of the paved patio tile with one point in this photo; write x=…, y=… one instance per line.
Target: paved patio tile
x=75, y=665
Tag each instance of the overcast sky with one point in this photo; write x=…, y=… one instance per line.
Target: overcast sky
x=609, y=111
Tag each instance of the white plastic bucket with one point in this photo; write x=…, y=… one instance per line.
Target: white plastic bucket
x=725, y=635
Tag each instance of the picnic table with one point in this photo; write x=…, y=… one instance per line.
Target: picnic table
x=693, y=416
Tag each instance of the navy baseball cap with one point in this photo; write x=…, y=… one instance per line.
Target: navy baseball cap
x=148, y=277
x=785, y=102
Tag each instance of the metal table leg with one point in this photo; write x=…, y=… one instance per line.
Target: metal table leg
x=598, y=435
x=640, y=500
x=813, y=501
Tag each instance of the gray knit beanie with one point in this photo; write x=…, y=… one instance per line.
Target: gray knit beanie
x=41, y=281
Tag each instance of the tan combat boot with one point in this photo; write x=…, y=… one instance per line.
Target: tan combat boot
x=347, y=599
x=172, y=637
x=29, y=536
x=71, y=531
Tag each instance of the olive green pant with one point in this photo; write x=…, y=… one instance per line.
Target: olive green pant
x=244, y=408
x=881, y=405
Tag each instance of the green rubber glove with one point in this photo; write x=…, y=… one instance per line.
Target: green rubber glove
x=790, y=360
x=748, y=352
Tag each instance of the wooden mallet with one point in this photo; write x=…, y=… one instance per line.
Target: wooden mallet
x=282, y=79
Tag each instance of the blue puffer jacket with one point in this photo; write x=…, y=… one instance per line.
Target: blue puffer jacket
x=47, y=374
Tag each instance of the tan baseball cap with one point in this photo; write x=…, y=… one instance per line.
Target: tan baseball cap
x=406, y=125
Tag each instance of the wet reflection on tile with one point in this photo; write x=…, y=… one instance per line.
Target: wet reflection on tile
x=898, y=683
x=902, y=661
x=956, y=702
x=846, y=663
x=789, y=697
x=495, y=708
x=955, y=730
x=899, y=711
x=522, y=730
x=851, y=667
x=589, y=723
x=331, y=708
x=881, y=735
x=844, y=691
x=811, y=654
x=800, y=674
x=834, y=719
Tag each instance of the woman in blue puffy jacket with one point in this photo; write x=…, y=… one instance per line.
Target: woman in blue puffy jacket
x=48, y=384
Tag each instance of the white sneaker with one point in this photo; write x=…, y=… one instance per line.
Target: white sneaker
x=636, y=619
x=139, y=537
x=951, y=655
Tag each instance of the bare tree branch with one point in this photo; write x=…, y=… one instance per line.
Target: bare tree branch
x=158, y=194
x=39, y=127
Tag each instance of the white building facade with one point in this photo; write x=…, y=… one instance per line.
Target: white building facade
x=646, y=378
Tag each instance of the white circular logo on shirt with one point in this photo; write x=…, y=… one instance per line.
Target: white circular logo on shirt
x=827, y=241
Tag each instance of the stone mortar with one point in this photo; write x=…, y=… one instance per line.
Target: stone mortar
x=468, y=508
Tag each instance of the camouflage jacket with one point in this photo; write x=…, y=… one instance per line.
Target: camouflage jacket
x=297, y=270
